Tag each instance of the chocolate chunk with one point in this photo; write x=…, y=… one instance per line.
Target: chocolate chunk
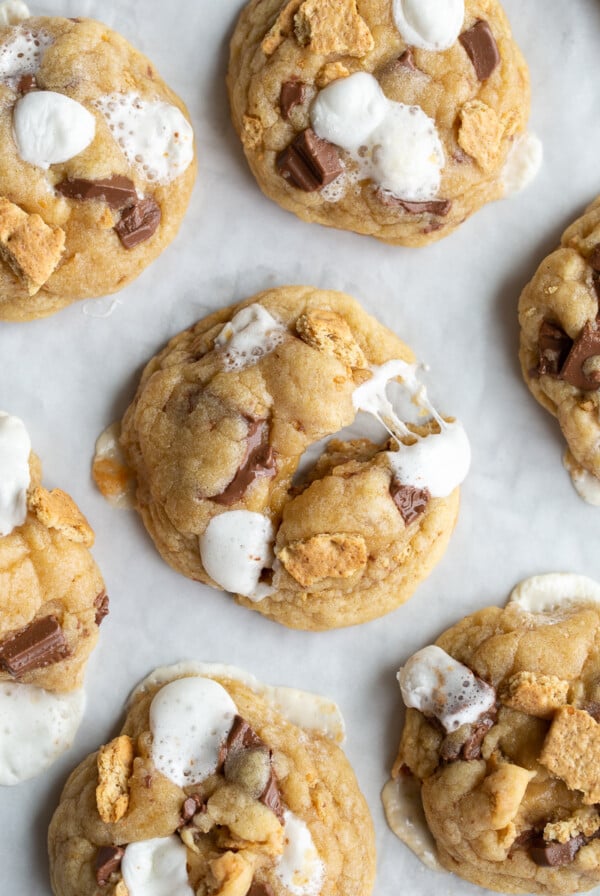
x=258, y=463
x=439, y=207
x=309, y=162
x=472, y=746
x=482, y=49
x=554, y=346
x=586, y=346
x=407, y=60
x=243, y=737
x=410, y=501
x=271, y=797
x=258, y=889
x=36, y=646
x=108, y=860
x=26, y=84
x=116, y=191
x=524, y=839
x=138, y=223
x=191, y=806
x=293, y=93
x=101, y=603
x=550, y=854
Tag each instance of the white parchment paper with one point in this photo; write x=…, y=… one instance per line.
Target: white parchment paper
x=455, y=303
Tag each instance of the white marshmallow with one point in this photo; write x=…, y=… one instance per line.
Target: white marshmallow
x=22, y=53
x=395, y=145
x=190, y=719
x=585, y=483
x=523, y=163
x=299, y=868
x=235, y=548
x=437, y=685
x=555, y=591
x=429, y=24
x=401, y=798
x=251, y=334
x=36, y=727
x=156, y=868
x=155, y=137
x=12, y=12
x=51, y=128
x=15, y=447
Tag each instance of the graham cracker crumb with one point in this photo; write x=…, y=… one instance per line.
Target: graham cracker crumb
x=57, y=510
x=328, y=332
x=331, y=71
x=30, y=247
x=282, y=27
x=324, y=557
x=572, y=751
x=480, y=134
x=252, y=131
x=584, y=821
x=115, y=766
x=333, y=26
x=535, y=695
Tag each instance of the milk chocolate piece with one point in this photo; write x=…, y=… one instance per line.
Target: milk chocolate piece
x=258, y=889
x=258, y=463
x=243, y=737
x=117, y=191
x=482, y=49
x=271, y=797
x=550, y=854
x=36, y=646
x=554, y=346
x=293, y=93
x=138, y=223
x=191, y=806
x=309, y=162
x=472, y=746
x=108, y=860
x=410, y=501
x=439, y=207
x=587, y=345
x=407, y=60
x=101, y=603
x=26, y=84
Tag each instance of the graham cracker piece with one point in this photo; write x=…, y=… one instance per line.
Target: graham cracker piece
x=480, y=134
x=252, y=131
x=57, y=510
x=282, y=27
x=333, y=26
x=331, y=71
x=324, y=557
x=584, y=821
x=31, y=248
x=535, y=695
x=572, y=751
x=115, y=766
x=328, y=332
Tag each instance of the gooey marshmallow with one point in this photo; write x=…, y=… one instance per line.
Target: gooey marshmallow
x=438, y=685
x=523, y=163
x=36, y=727
x=299, y=868
x=155, y=137
x=15, y=447
x=555, y=591
x=190, y=719
x=251, y=334
x=395, y=145
x=429, y=24
x=51, y=128
x=156, y=867
x=235, y=548
x=438, y=461
x=22, y=53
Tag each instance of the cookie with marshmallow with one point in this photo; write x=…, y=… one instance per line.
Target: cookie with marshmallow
x=52, y=602
x=393, y=118
x=97, y=171
x=497, y=772
x=216, y=785
x=284, y=449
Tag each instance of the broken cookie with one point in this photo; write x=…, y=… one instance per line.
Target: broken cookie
x=217, y=786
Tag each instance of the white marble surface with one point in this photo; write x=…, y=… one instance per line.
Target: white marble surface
x=455, y=303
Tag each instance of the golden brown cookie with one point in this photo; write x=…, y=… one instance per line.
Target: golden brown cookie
x=501, y=742
x=394, y=118
x=97, y=164
x=212, y=788
x=216, y=438
x=560, y=345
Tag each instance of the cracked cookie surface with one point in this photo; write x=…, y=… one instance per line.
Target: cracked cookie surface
x=354, y=114
x=211, y=774
x=216, y=437
x=504, y=744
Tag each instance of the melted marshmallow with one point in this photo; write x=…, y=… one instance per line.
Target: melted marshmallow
x=22, y=53
x=190, y=719
x=235, y=548
x=438, y=461
x=395, y=145
x=585, y=483
x=429, y=24
x=299, y=868
x=156, y=867
x=251, y=334
x=12, y=12
x=155, y=137
x=403, y=807
x=555, y=591
x=437, y=685
x=523, y=163
x=51, y=128
x=36, y=726
x=15, y=447
x=302, y=708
